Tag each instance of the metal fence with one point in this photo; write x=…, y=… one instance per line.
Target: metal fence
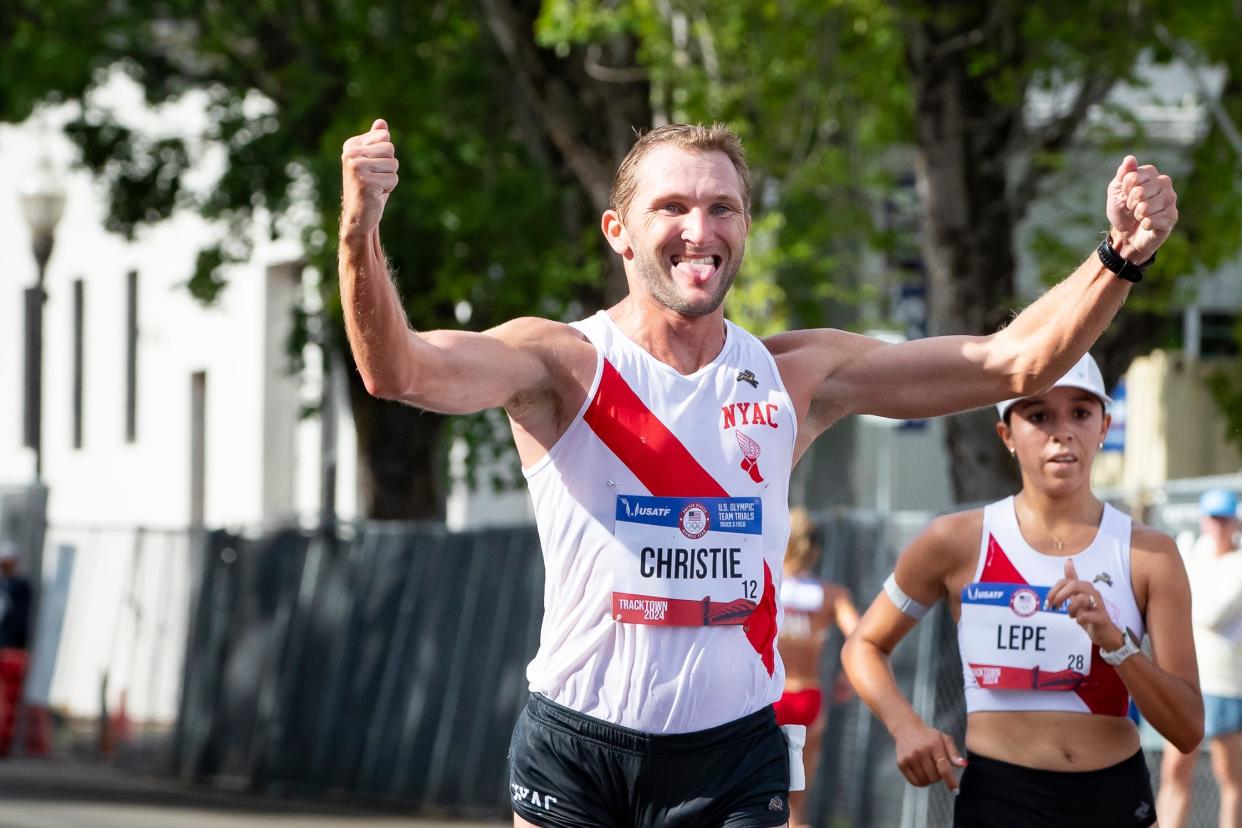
x=389, y=661
x=112, y=628
x=389, y=664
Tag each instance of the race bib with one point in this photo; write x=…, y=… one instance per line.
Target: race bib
x=687, y=561
x=1012, y=640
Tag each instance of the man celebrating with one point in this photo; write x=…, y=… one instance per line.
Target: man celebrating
x=657, y=439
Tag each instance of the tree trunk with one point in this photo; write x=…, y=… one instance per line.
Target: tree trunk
x=399, y=472
x=964, y=139
x=588, y=105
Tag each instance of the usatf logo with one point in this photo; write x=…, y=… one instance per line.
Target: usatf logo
x=639, y=510
x=693, y=521
x=747, y=375
x=1103, y=577
x=750, y=459
x=1024, y=602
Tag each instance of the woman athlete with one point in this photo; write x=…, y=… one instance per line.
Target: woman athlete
x=1052, y=591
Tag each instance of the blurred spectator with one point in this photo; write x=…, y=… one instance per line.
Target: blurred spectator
x=1215, y=572
x=14, y=600
x=14, y=633
x=812, y=607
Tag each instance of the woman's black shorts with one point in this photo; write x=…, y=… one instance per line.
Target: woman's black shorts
x=997, y=794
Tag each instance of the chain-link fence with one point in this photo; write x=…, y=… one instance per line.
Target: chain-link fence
x=389, y=661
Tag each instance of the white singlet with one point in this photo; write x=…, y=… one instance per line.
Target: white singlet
x=1009, y=638
x=802, y=598
x=663, y=515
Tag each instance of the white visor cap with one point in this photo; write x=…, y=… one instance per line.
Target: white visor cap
x=1085, y=375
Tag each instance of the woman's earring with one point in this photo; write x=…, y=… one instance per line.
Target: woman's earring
x=1101, y=446
x=1013, y=452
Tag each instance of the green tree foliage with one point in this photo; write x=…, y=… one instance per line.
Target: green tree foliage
x=483, y=214
x=828, y=94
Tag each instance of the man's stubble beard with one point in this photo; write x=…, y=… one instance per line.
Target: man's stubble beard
x=659, y=284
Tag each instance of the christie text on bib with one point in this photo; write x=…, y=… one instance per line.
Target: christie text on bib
x=687, y=561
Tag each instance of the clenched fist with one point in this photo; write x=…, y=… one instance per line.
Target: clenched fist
x=368, y=175
x=1142, y=208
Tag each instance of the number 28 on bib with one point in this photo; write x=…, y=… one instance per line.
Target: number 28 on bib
x=687, y=561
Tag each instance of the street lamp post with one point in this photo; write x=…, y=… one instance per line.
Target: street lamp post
x=43, y=201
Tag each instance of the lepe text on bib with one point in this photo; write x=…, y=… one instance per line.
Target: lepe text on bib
x=1013, y=640
x=687, y=561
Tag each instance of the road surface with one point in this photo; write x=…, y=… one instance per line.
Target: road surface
x=41, y=793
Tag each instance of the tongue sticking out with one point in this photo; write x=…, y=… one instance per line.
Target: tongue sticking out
x=695, y=271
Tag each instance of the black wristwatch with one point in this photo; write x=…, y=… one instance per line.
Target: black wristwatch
x=1124, y=268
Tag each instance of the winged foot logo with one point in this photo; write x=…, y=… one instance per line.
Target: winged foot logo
x=750, y=460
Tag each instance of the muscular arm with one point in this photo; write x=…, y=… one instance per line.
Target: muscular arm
x=834, y=374
x=453, y=372
x=922, y=572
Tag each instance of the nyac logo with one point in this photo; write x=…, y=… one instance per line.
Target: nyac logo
x=748, y=413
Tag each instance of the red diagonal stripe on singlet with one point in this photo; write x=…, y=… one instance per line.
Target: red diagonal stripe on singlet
x=1102, y=690
x=638, y=438
x=644, y=444
x=997, y=568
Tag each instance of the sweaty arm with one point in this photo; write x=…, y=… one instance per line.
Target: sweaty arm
x=453, y=372
x=839, y=374
x=924, y=755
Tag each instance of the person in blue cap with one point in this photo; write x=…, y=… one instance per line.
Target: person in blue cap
x=1215, y=571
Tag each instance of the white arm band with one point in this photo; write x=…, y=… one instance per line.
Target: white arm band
x=903, y=602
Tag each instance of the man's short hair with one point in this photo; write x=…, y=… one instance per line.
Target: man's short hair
x=693, y=137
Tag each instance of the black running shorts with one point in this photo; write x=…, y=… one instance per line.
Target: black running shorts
x=574, y=771
x=997, y=794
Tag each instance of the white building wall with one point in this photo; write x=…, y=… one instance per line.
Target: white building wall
x=125, y=596
x=254, y=469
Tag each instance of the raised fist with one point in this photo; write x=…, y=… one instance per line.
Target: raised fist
x=1142, y=208
x=368, y=175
